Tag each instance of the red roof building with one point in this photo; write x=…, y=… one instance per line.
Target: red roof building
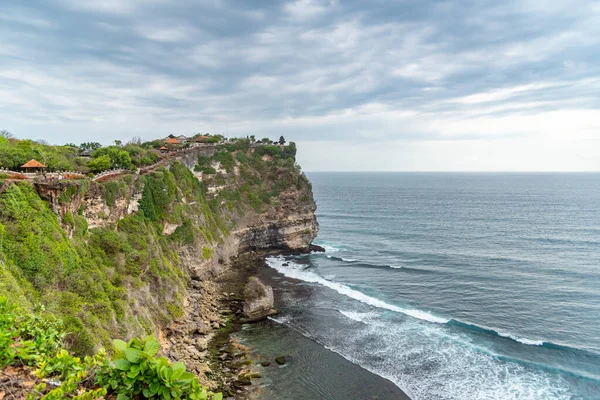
x=33, y=164
x=172, y=141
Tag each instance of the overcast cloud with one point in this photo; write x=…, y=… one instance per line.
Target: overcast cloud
x=359, y=85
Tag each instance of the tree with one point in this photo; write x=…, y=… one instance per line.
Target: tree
x=6, y=134
x=281, y=140
x=100, y=164
x=266, y=140
x=118, y=143
x=119, y=157
x=289, y=151
x=136, y=140
x=252, y=138
x=90, y=146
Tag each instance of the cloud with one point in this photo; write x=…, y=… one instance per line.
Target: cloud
x=307, y=9
x=411, y=75
x=118, y=7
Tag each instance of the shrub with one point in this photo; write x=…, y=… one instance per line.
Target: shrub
x=102, y=163
x=111, y=190
x=226, y=159
x=36, y=340
x=206, y=253
x=135, y=371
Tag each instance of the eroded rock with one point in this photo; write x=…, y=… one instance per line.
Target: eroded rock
x=258, y=301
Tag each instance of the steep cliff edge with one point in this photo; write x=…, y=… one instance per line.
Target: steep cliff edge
x=139, y=255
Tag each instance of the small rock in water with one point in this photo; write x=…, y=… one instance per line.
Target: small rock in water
x=265, y=363
x=285, y=264
x=280, y=360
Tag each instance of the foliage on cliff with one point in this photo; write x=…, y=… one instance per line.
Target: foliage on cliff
x=104, y=282
x=35, y=341
x=124, y=278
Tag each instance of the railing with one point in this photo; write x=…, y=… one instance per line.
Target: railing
x=42, y=175
x=59, y=175
x=107, y=173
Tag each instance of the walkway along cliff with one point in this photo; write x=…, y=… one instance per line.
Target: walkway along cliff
x=142, y=254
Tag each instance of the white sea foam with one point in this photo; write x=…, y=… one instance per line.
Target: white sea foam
x=358, y=316
x=281, y=319
x=329, y=248
x=529, y=342
x=396, y=266
x=349, y=259
x=295, y=271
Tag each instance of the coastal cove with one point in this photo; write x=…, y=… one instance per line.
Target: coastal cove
x=452, y=286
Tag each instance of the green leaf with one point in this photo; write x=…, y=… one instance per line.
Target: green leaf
x=217, y=396
x=122, y=364
x=186, y=378
x=162, y=372
x=178, y=368
x=122, y=396
x=119, y=345
x=132, y=355
x=133, y=374
x=151, y=346
x=154, y=386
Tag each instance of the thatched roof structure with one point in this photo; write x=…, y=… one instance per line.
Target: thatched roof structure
x=33, y=164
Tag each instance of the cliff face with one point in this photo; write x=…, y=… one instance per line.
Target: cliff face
x=137, y=255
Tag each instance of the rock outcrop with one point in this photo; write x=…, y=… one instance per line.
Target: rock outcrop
x=258, y=301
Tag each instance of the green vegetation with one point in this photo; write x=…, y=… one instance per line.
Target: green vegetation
x=36, y=340
x=97, y=271
x=14, y=153
x=125, y=279
x=135, y=371
x=100, y=272
x=266, y=170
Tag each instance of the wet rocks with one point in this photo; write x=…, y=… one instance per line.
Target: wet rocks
x=316, y=248
x=280, y=360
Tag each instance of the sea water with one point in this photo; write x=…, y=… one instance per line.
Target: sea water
x=455, y=285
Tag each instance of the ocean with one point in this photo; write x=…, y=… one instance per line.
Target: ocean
x=454, y=285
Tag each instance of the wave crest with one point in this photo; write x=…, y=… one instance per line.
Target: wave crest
x=295, y=271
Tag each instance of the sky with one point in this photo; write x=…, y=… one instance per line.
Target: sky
x=358, y=85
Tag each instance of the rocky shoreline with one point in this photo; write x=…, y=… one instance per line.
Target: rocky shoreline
x=215, y=309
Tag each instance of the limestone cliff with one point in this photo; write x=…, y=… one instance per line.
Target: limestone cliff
x=138, y=254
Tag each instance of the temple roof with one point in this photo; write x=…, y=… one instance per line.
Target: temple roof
x=33, y=164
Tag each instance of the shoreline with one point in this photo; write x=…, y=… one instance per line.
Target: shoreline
x=332, y=376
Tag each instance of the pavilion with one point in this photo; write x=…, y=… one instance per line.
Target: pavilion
x=33, y=166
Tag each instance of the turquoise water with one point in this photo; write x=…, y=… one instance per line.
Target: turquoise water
x=455, y=286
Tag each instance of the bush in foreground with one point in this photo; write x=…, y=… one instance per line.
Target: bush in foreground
x=34, y=340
